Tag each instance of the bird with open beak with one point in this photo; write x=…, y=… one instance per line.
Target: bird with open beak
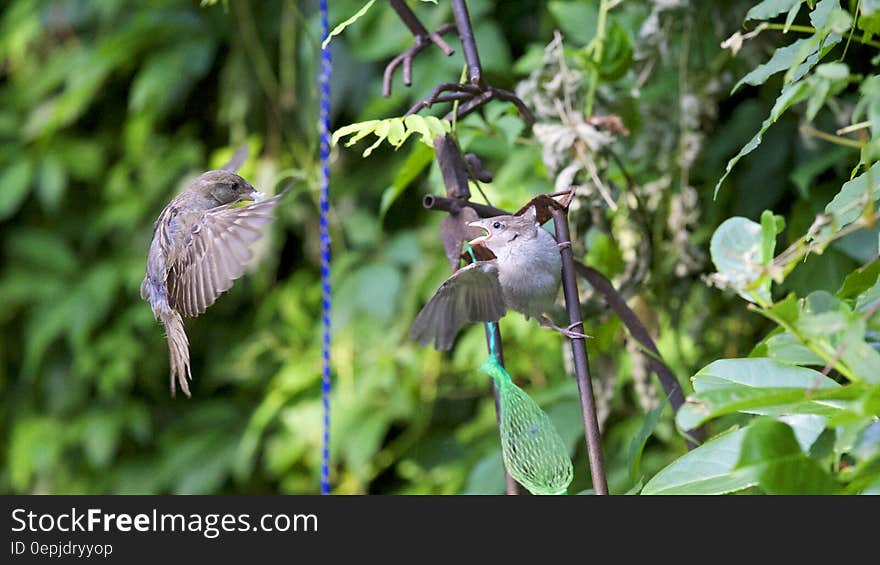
x=524, y=276
x=201, y=244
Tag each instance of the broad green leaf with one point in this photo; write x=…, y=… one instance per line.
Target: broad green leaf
x=341, y=27
x=736, y=248
x=807, y=428
x=771, y=452
x=786, y=311
x=786, y=348
x=769, y=9
x=708, y=469
x=848, y=204
x=862, y=359
x=868, y=298
x=791, y=94
x=754, y=385
x=758, y=372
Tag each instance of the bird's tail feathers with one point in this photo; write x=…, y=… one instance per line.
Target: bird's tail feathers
x=178, y=350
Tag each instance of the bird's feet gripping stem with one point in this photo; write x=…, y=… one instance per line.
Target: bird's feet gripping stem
x=568, y=331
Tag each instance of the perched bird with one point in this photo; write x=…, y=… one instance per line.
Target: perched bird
x=524, y=276
x=201, y=244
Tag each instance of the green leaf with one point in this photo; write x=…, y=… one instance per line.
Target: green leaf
x=394, y=130
x=708, y=469
x=341, y=27
x=578, y=20
x=868, y=298
x=379, y=286
x=771, y=226
x=806, y=427
x=786, y=348
x=862, y=359
x=637, y=446
x=781, y=60
x=736, y=250
x=35, y=447
x=15, y=184
x=757, y=372
x=806, y=172
x=848, y=204
x=791, y=94
x=417, y=161
x=511, y=127
x=617, y=52
x=487, y=476
x=769, y=9
x=51, y=183
x=753, y=385
x=823, y=13
x=771, y=452
x=870, y=24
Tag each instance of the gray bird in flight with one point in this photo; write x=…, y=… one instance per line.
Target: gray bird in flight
x=201, y=244
x=525, y=276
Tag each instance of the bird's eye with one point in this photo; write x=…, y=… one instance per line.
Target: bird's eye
x=497, y=225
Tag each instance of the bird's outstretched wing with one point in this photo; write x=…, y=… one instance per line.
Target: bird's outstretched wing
x=472, y=294
x=215, y=251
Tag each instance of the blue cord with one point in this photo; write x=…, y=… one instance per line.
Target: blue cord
x=324, y=130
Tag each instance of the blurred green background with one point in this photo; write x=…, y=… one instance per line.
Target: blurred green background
x=108, y=108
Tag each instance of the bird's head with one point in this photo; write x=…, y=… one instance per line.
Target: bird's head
x=225, y=187
x=500, y=232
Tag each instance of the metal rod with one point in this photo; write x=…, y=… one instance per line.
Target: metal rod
x=468, y=43
x=579, y=352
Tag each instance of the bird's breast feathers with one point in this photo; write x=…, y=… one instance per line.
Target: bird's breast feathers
x=530, y=274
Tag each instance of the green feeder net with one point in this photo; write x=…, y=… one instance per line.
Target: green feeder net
x=532, y=450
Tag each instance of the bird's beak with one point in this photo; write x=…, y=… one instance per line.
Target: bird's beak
x=256, y=195
x=483, y=237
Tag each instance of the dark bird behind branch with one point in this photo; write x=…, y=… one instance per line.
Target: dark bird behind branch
x=201, y=244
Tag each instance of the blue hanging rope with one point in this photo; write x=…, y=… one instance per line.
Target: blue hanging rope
x=324, y=130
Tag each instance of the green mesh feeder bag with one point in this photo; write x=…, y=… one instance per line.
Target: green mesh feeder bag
x=532, y=450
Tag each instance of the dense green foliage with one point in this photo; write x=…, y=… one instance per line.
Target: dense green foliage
x=107, y=108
